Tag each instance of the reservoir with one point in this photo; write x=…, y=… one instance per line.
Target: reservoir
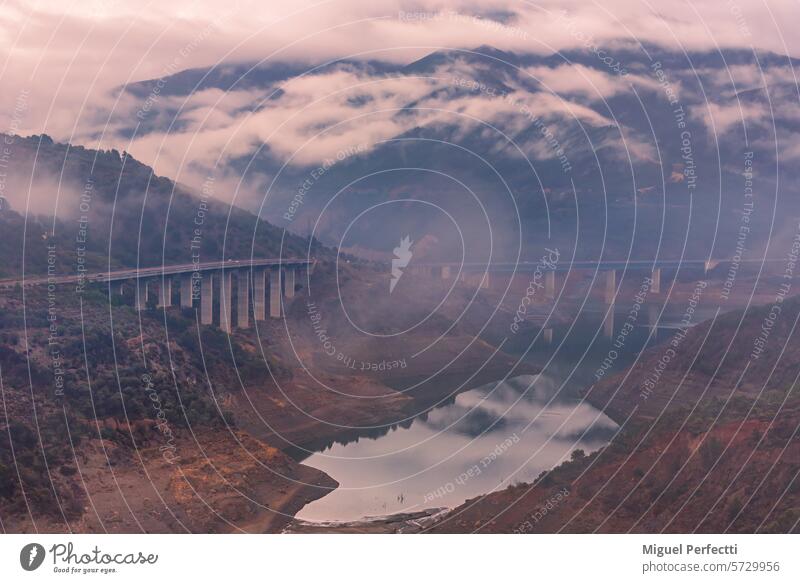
x=490, y=437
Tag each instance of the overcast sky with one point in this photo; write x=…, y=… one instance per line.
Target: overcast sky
x=67, y=55
x=61, y=61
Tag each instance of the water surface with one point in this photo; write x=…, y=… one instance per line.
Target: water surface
x=486, y=438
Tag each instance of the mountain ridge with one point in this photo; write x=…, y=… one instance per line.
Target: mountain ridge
x=90, y=202
x=594, y=149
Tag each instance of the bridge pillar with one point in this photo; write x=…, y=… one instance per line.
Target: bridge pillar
x=243, y=298
x=207, y=298
x=608, y=323
x=288, y=283
x=611, y=287
x=547, y=336
x=142, y=291
x=550, y=284
x=260, y=294
x=186, y=290
x=304, y=275
x=118, y=287
x=652, y=319
x=275, y=292
x=225, y=289
x=655, y=278
x=165, y=292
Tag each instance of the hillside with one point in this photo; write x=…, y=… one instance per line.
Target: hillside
x=110, y=210
x=146, y=421
x=702, y=449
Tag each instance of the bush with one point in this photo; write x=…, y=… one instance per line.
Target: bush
x=577, y=454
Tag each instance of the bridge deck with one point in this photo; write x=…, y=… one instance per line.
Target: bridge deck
x=632, y=265
x=157, y=271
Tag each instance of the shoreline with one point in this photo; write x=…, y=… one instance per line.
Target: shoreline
x=399, y=523
x=277, y=518
x=393, y=522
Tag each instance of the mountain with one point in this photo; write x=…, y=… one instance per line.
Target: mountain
x=109, y=210
x=620, y=151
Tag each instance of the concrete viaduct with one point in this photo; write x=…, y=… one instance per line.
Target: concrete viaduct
x=259, y=280
x=478, y=275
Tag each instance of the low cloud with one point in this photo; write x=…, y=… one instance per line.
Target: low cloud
x=588, y=82
x=69, y=60
x=71, y=56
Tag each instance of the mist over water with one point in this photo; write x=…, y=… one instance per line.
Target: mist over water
x=487, y=438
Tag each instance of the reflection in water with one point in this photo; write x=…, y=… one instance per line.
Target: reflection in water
x=483, y=439
x=488, y=438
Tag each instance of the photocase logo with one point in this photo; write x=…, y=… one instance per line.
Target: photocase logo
x=402, y=256
x=31, y=556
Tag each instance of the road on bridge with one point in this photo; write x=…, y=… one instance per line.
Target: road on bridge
x=151, y=272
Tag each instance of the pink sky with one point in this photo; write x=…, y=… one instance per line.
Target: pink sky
x=60, y=61
x=67, y=55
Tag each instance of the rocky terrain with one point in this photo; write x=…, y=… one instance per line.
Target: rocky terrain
x=144, y=421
